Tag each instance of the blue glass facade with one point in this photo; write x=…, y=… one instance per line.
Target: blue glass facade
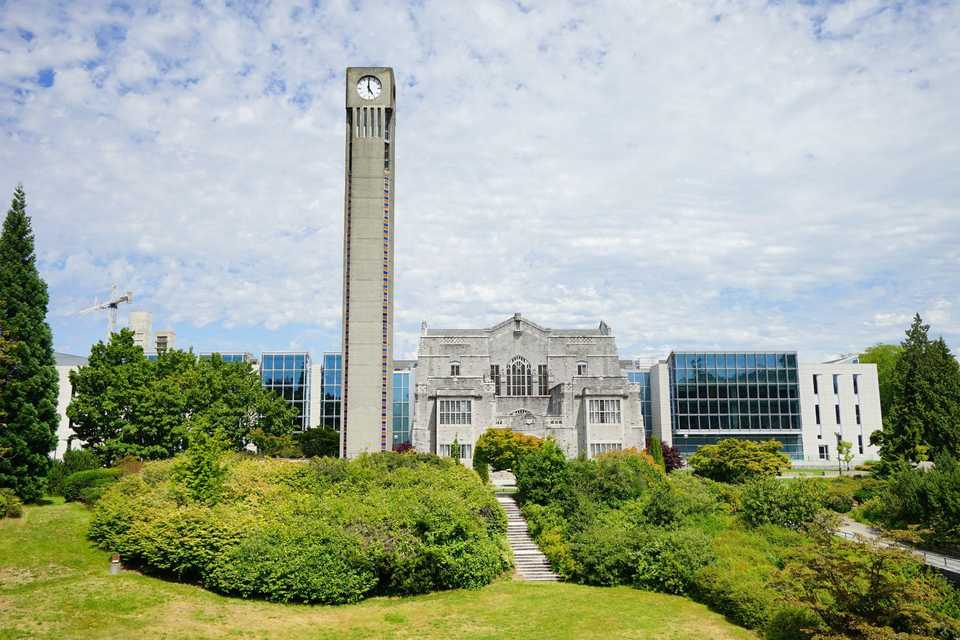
x=646, y=406
x=288, y=374
x=744, y=393
x=401, y=407
x=330, y=388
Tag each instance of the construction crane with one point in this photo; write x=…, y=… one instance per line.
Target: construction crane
x=111, y=307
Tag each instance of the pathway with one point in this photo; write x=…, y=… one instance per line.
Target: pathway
x=853, y=529
x=530, y=562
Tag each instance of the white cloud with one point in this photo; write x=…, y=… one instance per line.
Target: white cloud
x=721, y=174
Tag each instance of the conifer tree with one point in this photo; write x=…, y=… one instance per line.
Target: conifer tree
x=28, y=393
x=923, y=420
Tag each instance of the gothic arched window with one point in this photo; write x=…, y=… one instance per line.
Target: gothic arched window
x=519, y=380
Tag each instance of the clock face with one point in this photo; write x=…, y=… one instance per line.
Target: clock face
x=368, y=87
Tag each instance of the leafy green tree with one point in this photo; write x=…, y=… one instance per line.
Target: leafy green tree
x=455, y=449
x=735, y=460
x=502, y=449
x=923, y=420
x=126, y=405
x=110, y=399
x=28, y=374
x=885, y=356
x=844, y=455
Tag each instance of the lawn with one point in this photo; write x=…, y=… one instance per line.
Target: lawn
x=54, y=584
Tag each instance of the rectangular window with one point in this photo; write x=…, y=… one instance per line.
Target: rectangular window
x=604, y=412
x=597, y=448
x=455, y=412
x=860, y=443
x=856, y=385
x=454, y=369
x=824, y=451
x=495, y=376
x=836, y=383
x=837, y=409
x=857, y=409
x=581, y=368
x=466, y=451
x=816, y=388
x=542, y=379
x=816, y=410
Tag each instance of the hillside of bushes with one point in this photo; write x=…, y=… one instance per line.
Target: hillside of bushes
x=759, y=550
x=326, y=531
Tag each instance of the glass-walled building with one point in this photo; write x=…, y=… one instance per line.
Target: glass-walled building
x=401, y=407
x=750, y=395
x=331, y=381
x=288, y=374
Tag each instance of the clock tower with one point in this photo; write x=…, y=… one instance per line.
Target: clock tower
x=366, y=402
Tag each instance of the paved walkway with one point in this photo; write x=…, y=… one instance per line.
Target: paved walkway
x=530, y=562
x=852, y=529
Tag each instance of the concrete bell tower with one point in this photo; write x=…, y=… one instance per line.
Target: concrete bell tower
x=367, y=403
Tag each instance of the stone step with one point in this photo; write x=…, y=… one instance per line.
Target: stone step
x=529, y=561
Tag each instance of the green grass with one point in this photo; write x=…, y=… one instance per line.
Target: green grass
x=54, y=584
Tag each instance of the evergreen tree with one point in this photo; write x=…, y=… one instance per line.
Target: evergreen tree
x=924, y=417
x=28, y=393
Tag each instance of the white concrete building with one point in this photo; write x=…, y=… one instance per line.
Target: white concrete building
x=65, y=364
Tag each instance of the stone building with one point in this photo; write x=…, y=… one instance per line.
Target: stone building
x=564, y=383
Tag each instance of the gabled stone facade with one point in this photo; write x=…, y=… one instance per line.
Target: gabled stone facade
x=564, y=383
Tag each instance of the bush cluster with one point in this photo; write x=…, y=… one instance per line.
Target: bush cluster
x=326, y=531
x=88, y=486
x=737, y=460
x=928, y=499
x=744, y=549
x=73, y=461
x=10, y=504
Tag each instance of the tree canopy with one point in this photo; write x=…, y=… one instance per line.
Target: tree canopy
x=502, y=448
x=735, y=460
x=923, y=419
x=885, y=356
x=125, y=404
x=28, y=374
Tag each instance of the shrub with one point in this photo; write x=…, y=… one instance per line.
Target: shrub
x=655, y=449
x=200, y=471
x=669, y=561
x=503, y=448
x=865, y=591
x=735, y=460
x=604, y=551
x=320, y=441
x=87, y=486
x=786, y=503
x=542, y=475
x=10, y=504
x=836, y=501
x=672, y=460
x=793, y=623
x=274, y=445
x=741, y=597
x=332, y=531
x=73, y=461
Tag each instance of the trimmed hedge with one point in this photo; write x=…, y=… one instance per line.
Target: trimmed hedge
x=326, y=531
x=87, y=486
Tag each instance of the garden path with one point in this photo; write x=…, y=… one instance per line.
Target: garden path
x=530, y=562
x=853, y=529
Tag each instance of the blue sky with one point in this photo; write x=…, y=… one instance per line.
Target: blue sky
x=697, y=174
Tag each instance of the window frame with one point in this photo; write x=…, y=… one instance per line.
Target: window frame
x=604, y=411
x=452, y=412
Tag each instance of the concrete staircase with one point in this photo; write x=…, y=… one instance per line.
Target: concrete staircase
x=530, y=563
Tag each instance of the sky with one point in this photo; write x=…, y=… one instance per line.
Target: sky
x=696, y=173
